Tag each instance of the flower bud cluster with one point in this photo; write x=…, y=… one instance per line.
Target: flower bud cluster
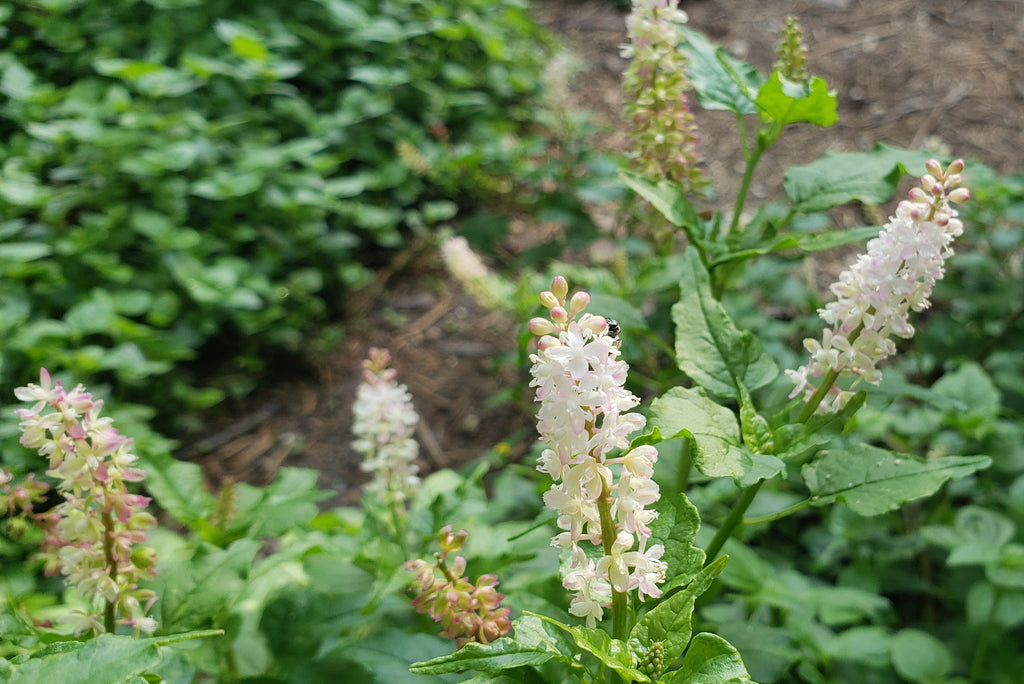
x=94, y=537
x=383, y=422
x=584, y=415
x=18, y=502
x=467, y=611
x=876, y=294
x=792, y=53
x=655, y=85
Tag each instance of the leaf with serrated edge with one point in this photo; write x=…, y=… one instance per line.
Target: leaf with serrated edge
x=873, y=481
x=710, y=349
x=612, y=652
x=529, y=644
x=669, y=621
x=713, y=427
x=710, y=659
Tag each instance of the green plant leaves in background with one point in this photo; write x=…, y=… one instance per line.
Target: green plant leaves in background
x=872, y=481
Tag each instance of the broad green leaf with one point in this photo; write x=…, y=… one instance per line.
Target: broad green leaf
x=785, y=102
x=720, y=80
x=611, y=652
x=106, y=658
x=919, y=656
x=710, y=349
x=974, y=387
x=676, y=529
x=194, y=590
x=710, y=659
x=670, y=621
x=670, y=200
x=873, y=481
x=178, y=488
x=529, y=644
x=713, y=428
x=864, y=644
x=868, y=177
x=386, y=657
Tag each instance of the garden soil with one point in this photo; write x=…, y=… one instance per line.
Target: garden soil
x=946, y=75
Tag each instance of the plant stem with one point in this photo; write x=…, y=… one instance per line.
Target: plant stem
x=812, y=404
x=620, y=616
x=734, y=520
x=109, y=612
x=748, y=176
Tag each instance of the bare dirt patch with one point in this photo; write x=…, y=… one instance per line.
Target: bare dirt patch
x=946, y=74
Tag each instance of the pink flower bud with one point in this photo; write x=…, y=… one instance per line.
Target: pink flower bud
x=933, y=167
x=956, y=166
x=917, y=195
x=541, y=326
x=960, y=195
x=578, y=303
x=560, y=287
x=548, y=299
x=559, y=315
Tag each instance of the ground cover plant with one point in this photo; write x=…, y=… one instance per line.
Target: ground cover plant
x=694, y=513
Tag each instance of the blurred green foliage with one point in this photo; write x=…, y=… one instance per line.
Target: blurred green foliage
x=193, y=181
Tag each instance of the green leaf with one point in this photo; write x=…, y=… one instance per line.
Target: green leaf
x=868, y=177
x=676, y=529
x=785, y=102
x=873, y=481
x=530, y=644
x=611, y=652
x=919, y=656
x=193, y=591
x=20, y=252
x=710, y=659
x=670, y=621
x=709, y=347
x=720, y=80
x=712, y=427
x=669, y=198
x=807, y=242
x=106, y=658
x=178, y=488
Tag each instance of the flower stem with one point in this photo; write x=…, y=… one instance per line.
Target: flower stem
x=734, y=520
x=109, y=612
x=620, y=604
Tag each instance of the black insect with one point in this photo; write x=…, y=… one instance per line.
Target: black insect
x=613, y=328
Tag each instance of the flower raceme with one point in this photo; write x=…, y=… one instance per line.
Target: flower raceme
x=655, y=85
x=383, y=422
x=875, y=295
x=467, y=611
x=584, y=416
x=93, y=538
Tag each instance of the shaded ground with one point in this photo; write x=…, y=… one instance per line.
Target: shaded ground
x=946, y=74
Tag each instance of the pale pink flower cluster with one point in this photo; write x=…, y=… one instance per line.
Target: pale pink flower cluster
x=663, y=131
x=94, y=537
x=467, y=611
x=383, y=422
x=876, y=294
x=584, y=415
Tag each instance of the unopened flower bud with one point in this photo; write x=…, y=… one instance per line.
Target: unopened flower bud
x=559, y=315
x=560, y=287
x=917, y=195
x=960, y=195
x=934, y=167
x=451, y=542
x=578, y=303
x=541, y=326
x=548, y=299
x=956, y=166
